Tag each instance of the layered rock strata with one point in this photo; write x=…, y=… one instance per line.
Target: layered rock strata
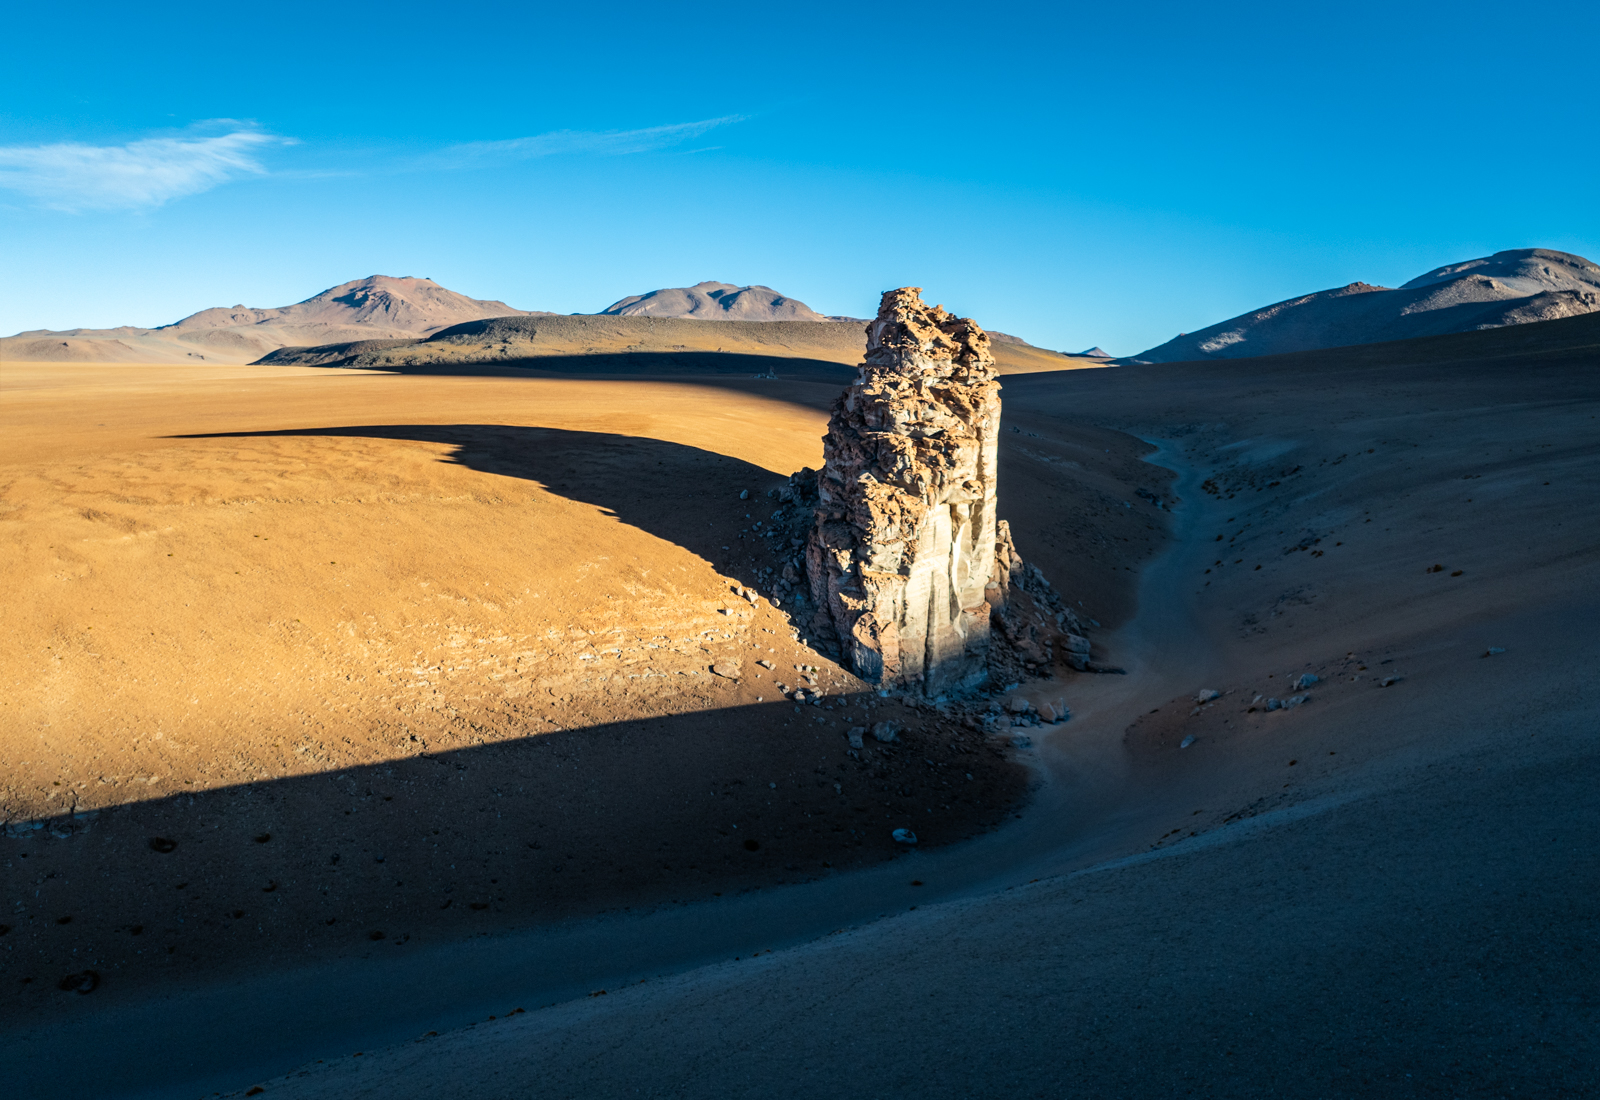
x=901, y=561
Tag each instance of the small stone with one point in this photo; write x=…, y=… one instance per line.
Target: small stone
x=904, y=836
x=1018, y=705
x=1494, y=650
x=885, y=732
x=1306, y=680
x=730, y=669
x=744, y=494
x=1054, y=712
x=1273, y=704
x=1385, y=681
x=764, y=663
x=1295, y=700
x=855, y=735
x=1022, y=742
x=1186, y=742
x=1207, y=694
x=88, y=981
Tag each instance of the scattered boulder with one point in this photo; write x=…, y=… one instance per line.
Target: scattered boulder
x=1306, y=680
x=885, y=732
x=730, y=669
x=1018, y=705
x=855, y=736
x=904, y=836
x=1206, y=695
x=1054, y=712
x=1077, y=651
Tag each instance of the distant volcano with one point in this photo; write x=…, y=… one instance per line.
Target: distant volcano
x=403, y=306
x=379, y=307
x=711, y=301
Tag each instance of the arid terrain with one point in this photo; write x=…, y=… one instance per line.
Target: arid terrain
x=366, y=703
x=822, y=351
x=425, y=655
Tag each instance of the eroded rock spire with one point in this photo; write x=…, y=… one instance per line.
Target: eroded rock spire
x=902, y=562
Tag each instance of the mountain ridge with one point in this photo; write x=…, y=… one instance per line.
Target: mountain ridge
x=1515, y=286
x=377, y=307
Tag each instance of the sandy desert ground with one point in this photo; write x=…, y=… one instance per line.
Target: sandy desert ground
x=1390, y=888
x=421, y=635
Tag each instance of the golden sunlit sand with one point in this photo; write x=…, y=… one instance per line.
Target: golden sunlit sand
x=352, y=611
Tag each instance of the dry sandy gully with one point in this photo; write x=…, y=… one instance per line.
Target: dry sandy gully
x=1389, y=889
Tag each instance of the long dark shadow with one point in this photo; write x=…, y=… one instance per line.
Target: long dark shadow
x=685, y=495
x=387, y=859
x=631, y=364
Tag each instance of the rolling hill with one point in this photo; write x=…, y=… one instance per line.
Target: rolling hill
x=608, y=343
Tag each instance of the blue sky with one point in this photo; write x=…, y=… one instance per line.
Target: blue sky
x=1074, y=174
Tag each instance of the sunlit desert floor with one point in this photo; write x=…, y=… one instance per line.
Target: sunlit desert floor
x=1388, y=888
x=420, y=657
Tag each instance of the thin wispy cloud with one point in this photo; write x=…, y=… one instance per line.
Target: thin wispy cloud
x=590, y=142
x=141, y=175
x=73, y=176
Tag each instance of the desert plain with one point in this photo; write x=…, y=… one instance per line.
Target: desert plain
x=375, y=708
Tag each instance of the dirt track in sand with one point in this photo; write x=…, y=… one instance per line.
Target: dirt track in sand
x=444, y=642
